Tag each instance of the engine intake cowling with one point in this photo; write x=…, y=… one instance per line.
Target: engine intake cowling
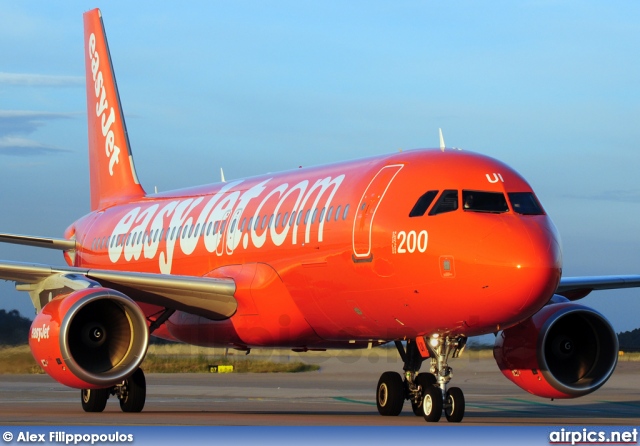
x=565, y=350
x=91, y=338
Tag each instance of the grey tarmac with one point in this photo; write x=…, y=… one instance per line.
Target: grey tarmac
x=342, y=392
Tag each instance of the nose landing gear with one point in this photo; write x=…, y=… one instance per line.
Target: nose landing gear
x=427, y=392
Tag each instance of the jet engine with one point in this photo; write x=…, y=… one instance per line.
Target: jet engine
x=91, y=338
x=565, y=350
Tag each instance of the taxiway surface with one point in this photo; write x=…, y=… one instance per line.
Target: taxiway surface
x=342, y=392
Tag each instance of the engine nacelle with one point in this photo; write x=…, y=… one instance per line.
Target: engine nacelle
x=91, y=338
x=565, y=350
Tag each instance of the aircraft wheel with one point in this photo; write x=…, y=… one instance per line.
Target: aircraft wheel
x=432, y=403
x=94, y=400
x=417, y=408
x=454, y=406
x=390, y=394
x=134, y=392
x=423, y=380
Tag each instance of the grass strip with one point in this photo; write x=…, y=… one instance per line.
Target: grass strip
x=18, y=360
x=200, y=364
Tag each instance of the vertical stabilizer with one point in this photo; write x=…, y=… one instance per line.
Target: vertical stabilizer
x=112, y=173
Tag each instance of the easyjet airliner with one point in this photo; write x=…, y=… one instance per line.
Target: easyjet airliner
x=422, y=248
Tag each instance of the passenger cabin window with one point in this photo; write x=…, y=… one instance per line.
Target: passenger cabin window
x=447, y=202
x=478, y=201
x=423, y=204
x=525, y=203
x=329, y=214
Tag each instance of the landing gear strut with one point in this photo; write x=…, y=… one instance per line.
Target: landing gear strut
x=428, y=391
x=132, y=393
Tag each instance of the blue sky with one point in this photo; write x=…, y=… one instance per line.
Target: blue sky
x=551, y=88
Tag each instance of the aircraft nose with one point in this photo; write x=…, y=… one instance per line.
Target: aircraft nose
x=528, y=256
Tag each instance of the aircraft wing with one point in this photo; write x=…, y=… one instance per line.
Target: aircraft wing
x=208, y=297
x=574, y=288
x=40, y=242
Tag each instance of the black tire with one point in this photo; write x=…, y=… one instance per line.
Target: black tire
x=432, y=404
x=94, y=400
x=423, y=380
x=390, y=394
x=135, y=393
x=454, y=407
x=417, y=408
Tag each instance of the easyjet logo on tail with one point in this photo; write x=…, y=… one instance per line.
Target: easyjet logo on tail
x=102, y=107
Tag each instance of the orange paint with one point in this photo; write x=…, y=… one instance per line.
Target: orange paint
x=394, y=247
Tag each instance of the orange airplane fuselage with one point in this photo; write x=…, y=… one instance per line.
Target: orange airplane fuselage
x=331, y=254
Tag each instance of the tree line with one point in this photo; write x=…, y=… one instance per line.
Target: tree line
x=14, y=329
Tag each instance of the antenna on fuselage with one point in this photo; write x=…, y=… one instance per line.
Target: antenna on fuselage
x=442, y=146
x=222, y=176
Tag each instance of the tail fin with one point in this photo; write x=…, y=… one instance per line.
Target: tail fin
x=112, y=173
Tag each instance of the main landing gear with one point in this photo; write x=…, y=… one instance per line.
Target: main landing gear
x=132, y=393
x=427, y=392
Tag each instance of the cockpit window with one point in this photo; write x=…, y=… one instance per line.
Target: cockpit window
x=447, y=202
x=525, y=203
x=423, y=204
x=477, y=201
